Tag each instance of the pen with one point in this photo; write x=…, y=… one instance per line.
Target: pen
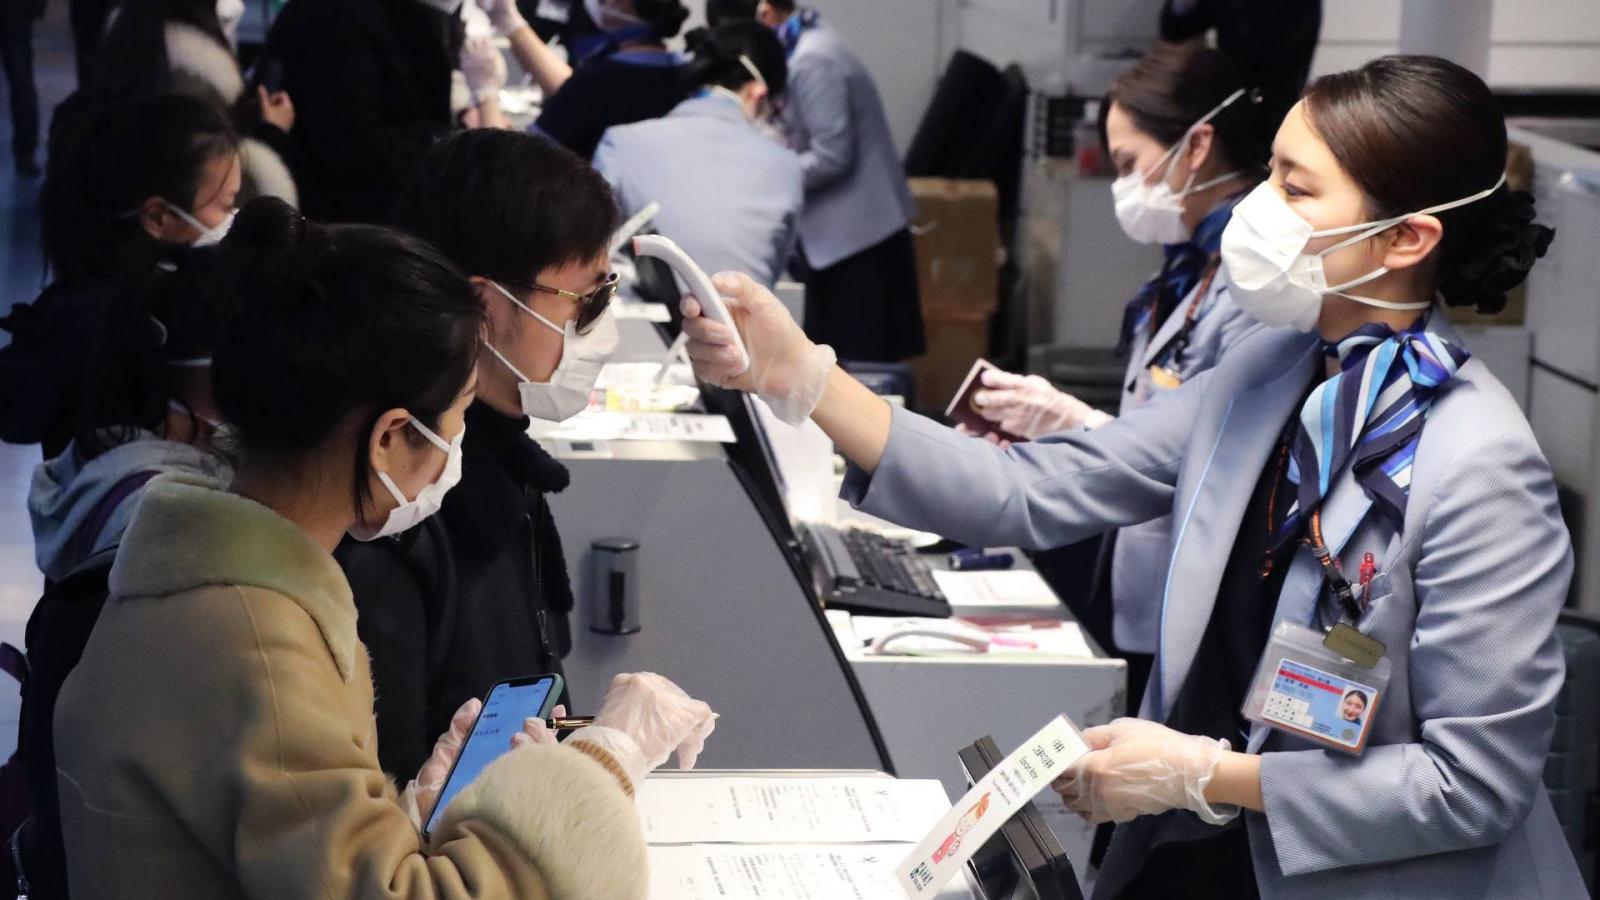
x=973, y=562
x=568, y=723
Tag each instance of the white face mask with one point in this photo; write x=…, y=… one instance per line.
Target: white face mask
x=1271, y=276
x=409, y=513
x=229, y=13
x=209, y=234
x=582, y=357
x=1153, y=213
x=608, y=18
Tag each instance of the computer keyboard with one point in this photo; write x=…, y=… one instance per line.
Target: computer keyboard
x=864, y=572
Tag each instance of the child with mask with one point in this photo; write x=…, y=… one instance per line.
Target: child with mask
x=480, y=592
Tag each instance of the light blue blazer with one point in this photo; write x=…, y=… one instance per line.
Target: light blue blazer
x=856, y=193
x=1447, y=800
x=1136, y=571
x=730, y=195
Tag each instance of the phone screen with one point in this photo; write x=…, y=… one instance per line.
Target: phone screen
x=509, y=703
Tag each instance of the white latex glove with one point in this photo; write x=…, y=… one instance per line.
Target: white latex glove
x=504, y=15
x=1029, y=406
x=425, y=788
x=484, y=68
x=1140, y=768
x=644, y=719
x=536, y=731
x=787, y=370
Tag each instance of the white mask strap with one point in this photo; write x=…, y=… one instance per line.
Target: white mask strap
x=529, y=310
x=506, y=362
x=755, y=73
x=428, y=433
x=1171, y=156
x=394, y=489
x=1365, y=231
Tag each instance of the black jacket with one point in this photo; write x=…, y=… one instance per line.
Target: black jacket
x=43, y=367
x=370, y=81
x=474, y=595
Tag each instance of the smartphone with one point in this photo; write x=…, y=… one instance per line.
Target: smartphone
x=508, y=704
x=271, y=71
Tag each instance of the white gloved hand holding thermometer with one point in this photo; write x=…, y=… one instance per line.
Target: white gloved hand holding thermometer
x=787, y=370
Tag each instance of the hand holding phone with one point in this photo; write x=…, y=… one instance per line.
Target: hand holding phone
x=508, y=705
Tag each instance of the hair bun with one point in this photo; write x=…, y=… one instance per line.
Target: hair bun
x=269, y=225
x=1500, y=258
x=698, y=41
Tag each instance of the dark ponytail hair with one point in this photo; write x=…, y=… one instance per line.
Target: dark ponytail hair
x=108, y=163
x=337, y=320
x=665, y=17
x=171, y=305
x=1417, y=131
x=1173, y=85
x=717, y=51
x=719, y=11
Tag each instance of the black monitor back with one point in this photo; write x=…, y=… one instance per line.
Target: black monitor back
x=1023, y=861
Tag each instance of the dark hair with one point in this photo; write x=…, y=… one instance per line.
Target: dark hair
x=783, y=6
x=719, y=11
x=716, y=57
x=1173, y=85
x=171, y=303
x=506, y=205
x=131, y=60
x=337, y=320
x=108, y=164
x=1361, y=694
x=665, y=17
x=1417, y=131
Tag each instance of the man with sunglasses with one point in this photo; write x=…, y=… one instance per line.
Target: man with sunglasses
x=479, y=593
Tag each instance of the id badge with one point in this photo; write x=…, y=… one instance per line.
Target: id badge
x=1305, y=689
x=1165, y=378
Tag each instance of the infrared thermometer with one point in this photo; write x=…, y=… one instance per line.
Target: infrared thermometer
x=700, y=286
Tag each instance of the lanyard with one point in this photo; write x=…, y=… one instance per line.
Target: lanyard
x=1173, y=349
x=1337, y=583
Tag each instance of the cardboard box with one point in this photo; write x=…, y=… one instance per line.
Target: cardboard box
x=954, y=343
x=957, y=236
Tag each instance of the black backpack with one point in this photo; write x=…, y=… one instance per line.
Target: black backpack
x=58, y=630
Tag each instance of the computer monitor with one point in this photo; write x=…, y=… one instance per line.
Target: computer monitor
x=1023, y=861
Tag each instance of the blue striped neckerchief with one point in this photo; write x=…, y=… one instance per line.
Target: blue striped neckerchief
x=1182, y=267
x=800, y=21
x=1370, y=416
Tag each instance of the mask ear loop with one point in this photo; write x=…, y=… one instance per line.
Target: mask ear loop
x=1171, y=156
x=1367, y=231
x=529, y=310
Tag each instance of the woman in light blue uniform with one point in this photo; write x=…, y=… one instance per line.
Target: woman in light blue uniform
x=730, y=190
x=1358, y=505
x=1189, y=139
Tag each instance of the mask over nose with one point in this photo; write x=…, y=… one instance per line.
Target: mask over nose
x=582, y=357
x=209, y=234
x=1153, y=213
x=1271, y=276
x=410, y=513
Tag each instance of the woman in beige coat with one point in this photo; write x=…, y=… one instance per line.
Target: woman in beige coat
x=217, y=739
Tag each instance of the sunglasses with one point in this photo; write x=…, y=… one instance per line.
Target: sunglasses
x=590, y=305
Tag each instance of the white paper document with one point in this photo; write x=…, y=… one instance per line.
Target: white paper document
x=744, y=810
x=992, y=801
x=781, y=872
x=637, y=426
x=1003, y=588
